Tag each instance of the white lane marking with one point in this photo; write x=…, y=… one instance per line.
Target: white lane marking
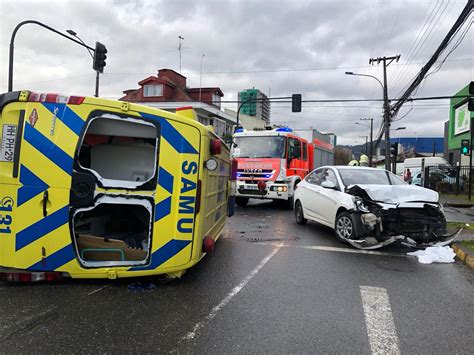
x=97, y=290
x=340, y=250
x=192, y=334
x=379, y=321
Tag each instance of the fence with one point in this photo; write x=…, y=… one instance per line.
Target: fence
x=449, y=180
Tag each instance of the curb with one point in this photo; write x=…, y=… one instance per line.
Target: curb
x=458, y=205
x=463, y=255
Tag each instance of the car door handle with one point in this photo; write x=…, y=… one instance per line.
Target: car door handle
x=45, y=203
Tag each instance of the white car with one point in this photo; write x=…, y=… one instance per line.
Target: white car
x=370, y=208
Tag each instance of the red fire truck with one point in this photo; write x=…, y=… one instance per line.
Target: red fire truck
x=270, y=163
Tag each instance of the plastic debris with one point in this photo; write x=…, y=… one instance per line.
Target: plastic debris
x=436, y=254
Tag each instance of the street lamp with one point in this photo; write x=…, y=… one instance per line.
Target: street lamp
x=12, y=46
x=240, y=107
x=371, y=155
x=200, y=78
x=73, y=33
x=386, y=115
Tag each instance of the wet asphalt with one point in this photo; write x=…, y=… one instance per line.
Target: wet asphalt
x=304, y=299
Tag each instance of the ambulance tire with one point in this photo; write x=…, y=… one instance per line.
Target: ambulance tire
x=241, y=201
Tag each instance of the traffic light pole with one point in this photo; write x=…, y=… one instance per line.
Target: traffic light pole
x=470, y=159
x=97, y=84
x=12, y=41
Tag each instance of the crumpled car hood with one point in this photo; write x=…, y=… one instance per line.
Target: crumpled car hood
x=395, y=194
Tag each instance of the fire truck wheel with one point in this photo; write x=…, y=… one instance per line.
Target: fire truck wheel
x=241, y=201
x=299, y=215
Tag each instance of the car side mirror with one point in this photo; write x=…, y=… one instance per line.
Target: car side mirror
x=328, y=185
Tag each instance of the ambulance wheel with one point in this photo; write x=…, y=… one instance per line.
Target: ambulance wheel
x=299, y=215
x=241, y=201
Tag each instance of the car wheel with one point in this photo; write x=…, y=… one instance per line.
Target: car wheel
x=344, y=227
x=241, y=201
x=299, y=215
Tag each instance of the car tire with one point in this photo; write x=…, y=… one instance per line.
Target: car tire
x=344, y=227
x=242, y=201
x=299, y=215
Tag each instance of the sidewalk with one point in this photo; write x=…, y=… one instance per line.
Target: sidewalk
x=464, y=244
x=460, y=201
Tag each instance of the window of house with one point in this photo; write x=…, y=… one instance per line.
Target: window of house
x=152, y=90
x=216, y=99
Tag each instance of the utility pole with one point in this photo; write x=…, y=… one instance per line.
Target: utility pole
x=386, y=105
x=371, y=151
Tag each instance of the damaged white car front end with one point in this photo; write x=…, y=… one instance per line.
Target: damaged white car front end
x=384, y=214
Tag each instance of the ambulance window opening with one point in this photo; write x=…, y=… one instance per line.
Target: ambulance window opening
x=120, y=152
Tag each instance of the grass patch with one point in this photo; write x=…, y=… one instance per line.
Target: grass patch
x=456, y=198
x=454, y=225
x=469, y=244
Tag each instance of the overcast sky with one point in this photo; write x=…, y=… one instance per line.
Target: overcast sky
x=279, y=47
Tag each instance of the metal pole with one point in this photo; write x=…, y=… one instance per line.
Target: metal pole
x=97, y=85
x=200, y=79
x=240, y=107
x=12, y=41
x=371, y=141
x=470, y=159
x=386, y=116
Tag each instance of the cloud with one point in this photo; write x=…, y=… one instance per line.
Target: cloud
x=247, y=44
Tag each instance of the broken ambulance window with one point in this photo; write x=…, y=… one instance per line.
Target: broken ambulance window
x=120, y=152
x=116, y=231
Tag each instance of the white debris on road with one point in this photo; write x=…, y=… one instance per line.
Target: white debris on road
x=436, y=254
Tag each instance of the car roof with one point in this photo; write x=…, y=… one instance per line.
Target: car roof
x=348, y=167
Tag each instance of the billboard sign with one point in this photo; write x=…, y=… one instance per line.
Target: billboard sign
x=462, y=119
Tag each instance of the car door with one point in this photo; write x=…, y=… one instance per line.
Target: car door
x=310, y=197
x=328, y=199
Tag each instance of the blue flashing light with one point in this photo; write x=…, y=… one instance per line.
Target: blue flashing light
x=239, y=130
x=267, y=176
x=284, y=129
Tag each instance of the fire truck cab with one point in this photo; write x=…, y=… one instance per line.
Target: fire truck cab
x=270, y=163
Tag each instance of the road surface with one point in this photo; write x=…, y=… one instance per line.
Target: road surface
x=271, y=286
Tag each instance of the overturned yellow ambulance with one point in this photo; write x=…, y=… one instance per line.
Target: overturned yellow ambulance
x=95, y=188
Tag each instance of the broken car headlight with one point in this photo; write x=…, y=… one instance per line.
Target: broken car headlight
x=361, y=206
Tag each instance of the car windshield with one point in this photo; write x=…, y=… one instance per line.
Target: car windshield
x=259, y=147
x=359, y=176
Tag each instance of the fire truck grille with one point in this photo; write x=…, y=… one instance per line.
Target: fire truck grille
x=251, y=192
x=255, y=173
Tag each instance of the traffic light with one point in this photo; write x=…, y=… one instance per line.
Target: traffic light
x=99, y=57
x=465, y=147
x=296, y=103
x=470, y=104
x=394, y=148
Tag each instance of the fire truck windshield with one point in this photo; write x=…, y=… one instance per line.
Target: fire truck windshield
x=259, y=147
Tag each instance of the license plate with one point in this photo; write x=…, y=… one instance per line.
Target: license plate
x=251, y=187
x=7, y=150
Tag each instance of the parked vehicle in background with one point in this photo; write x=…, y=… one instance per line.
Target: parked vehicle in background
x=370, y=208
x=99, y=188
x=414, y=164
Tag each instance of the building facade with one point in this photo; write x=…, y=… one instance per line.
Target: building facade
x=168, y=91
x=459, y=126
x=258, y=105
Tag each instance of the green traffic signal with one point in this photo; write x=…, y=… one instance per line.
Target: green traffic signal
x=465, y=147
